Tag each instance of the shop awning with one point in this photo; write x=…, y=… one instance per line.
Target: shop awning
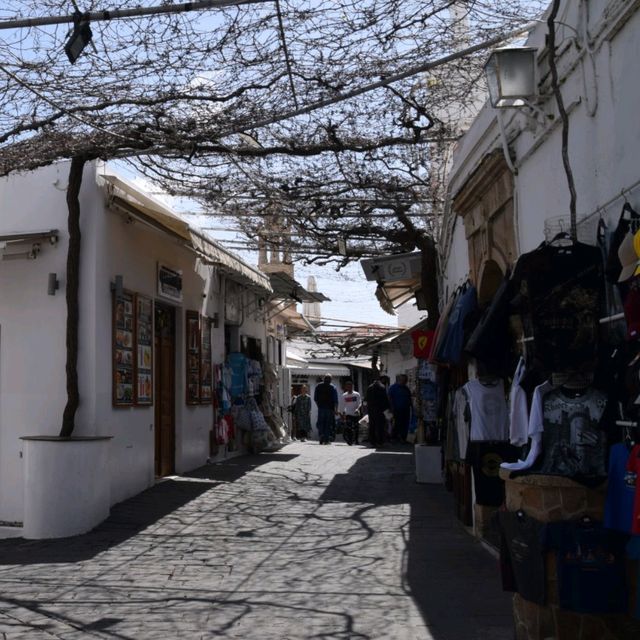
x=392, y=295
x=398, y=277
x=25, y=244
x=236, y=268
x=286, y=288
x=320, y=369
x=130, y=200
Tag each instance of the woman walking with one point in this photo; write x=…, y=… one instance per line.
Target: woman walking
x=302, y=413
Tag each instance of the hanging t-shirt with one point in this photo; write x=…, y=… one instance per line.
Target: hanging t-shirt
x=462, y=425
x=442, y=327
x=490, y=340
x=558, y=292
x=534, y=431
x=573, y=444
x=518, y=409
x=451, y=348
x=488, y=408
x=485, y=459
x=429, y=396
x=618, y=508
x=523, y=537
x=590, y=565
x=633, y=466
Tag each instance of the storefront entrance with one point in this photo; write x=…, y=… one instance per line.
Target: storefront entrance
x=165, y=367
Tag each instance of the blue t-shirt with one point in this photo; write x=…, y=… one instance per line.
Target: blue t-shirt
x=590, y=565
x=618, y=510
x=451, y=346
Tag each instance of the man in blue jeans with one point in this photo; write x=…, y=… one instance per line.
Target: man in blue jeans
x=326, y=398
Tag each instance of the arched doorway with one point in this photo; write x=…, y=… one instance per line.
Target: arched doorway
x=491, y=275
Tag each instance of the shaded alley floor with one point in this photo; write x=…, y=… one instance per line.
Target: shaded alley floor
x=308, y=543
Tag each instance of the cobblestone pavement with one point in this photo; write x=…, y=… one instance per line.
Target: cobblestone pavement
x=312, y=542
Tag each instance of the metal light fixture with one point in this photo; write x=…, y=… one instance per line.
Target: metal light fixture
x=512, y=76
x=80, y=37
x=53, y=284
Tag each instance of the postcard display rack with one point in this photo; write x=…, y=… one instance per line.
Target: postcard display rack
x=199, y=366
x=132, y=350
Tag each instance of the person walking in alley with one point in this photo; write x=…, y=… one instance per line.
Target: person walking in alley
x=326, y=398
x=350, y=403
x=377, y=403
x=400, y=398
x=302, y=413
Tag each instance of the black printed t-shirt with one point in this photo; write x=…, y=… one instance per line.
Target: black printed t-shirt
x=558, y=292
x=485, y=459
x=573, y=442
x=590, y=564
x=522, y=537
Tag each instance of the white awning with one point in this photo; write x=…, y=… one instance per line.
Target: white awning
x=128, y=198
x=236, y=268
x=319, y=370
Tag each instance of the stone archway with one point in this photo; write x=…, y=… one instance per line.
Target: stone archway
x=491, y=275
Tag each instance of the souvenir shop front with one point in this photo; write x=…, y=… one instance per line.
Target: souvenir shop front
x=244, y=416
x=539, y=399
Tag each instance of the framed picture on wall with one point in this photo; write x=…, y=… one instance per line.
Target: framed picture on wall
x=123, y=358
x=144, y=350
x=193, y=356
x=206, y=377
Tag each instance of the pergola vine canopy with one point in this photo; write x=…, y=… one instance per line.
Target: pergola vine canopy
x=181, y=84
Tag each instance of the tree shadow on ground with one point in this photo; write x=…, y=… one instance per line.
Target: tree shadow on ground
x=236, y=468
x=130, y=517
x=454, y=581
x=362, y=555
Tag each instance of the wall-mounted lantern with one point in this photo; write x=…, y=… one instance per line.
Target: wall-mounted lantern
x=512, y=76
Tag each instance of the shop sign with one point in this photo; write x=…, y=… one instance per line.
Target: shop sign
x=169, y=283
x=403, y=266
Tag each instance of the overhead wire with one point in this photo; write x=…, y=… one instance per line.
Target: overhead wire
x=115, y=14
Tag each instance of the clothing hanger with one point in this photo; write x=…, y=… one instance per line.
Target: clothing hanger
x=562, y=240
x=634, y=216
x=630, y=436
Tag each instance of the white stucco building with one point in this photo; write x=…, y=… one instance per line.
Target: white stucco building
x=500, y=199
x=158, y=425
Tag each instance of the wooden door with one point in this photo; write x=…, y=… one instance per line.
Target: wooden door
x=165, y=392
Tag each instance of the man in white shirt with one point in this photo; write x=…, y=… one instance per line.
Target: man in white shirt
x=350, y=403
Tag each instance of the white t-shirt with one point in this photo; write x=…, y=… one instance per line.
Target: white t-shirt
x=350, y=403
x=518, y=410
x=535, y=429
x=488, y=408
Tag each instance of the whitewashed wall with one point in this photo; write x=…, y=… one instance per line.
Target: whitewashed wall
x=32, y=326
x=32, y=333
x=396, y=363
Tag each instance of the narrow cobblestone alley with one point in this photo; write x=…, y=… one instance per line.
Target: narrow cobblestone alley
x=310, y=542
